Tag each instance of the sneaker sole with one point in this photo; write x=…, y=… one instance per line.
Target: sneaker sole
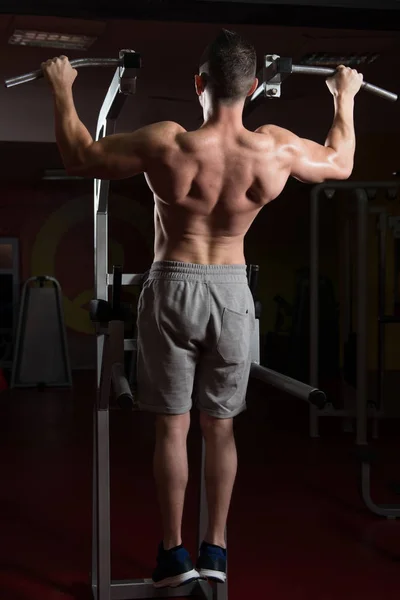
x=177, y=580
x=218, y=576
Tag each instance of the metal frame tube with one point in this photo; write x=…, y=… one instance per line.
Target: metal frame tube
x=76, y=63
x=346, y=322
x=362, y=321
x=314, y=302
x=347, y=314
x=390, y=511
x=101, y=550
x=381, y=307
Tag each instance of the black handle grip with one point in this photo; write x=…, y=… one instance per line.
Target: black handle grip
x=318, y=398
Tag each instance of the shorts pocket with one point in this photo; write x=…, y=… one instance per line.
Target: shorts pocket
x=234, y=340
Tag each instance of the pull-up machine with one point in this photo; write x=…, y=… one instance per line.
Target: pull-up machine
x=110, y=317
x=110, y=362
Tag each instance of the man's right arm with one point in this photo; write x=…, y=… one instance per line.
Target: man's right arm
x=313, y=163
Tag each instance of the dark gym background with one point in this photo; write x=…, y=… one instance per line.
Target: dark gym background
x=298, y=497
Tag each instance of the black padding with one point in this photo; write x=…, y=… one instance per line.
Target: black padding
x=254, y=271
x=125, y=312
x=125, y=401
x=132, y=60
x=317, y=398
x=116, y=289
x=100, y=311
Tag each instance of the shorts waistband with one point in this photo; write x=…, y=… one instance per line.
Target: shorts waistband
x=180, y=271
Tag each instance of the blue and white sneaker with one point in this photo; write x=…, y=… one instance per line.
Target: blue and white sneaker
x=211, y=563
x=174, y=568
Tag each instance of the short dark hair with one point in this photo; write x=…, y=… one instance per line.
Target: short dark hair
x=232, y=64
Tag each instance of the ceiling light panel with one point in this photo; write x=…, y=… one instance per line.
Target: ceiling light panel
x=45, y=39
x=325, y=59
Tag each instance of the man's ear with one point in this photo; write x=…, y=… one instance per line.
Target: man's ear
x=253, y=87
x=199, y=84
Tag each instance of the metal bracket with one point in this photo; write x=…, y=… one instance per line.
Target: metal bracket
x=131, y=62
x=276, y=69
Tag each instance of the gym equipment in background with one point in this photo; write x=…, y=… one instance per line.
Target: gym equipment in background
x=298, y=358
x=9, y=298
x=276, y=344
x=41, y=353
x=364, y=410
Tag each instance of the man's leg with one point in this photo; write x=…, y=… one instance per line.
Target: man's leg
x=171, y=473
x=220, y=473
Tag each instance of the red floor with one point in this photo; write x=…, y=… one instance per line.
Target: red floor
x=297, y=530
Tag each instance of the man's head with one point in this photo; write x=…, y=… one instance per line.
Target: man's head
x=227, y=69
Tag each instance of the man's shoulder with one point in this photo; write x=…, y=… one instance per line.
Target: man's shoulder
x=166, y=128
x=279, y=133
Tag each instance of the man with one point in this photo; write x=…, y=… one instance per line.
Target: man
x=196, y=312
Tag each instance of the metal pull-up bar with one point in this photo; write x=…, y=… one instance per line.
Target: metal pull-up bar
x=324, y=72
x=277, y=69
x=128, y=59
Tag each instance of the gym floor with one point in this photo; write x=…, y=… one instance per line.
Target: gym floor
x=298, y=529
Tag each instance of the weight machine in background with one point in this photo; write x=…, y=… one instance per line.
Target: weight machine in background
x=362, y=192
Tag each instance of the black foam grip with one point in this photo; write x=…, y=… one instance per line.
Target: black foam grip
x=258, y=309
x=116, y=289
x=253, y=283
x=318, y=398
x=125, y=401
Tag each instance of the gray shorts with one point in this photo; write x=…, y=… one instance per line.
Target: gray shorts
x=194, y=329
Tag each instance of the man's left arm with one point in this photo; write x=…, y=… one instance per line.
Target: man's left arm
x=116, y=156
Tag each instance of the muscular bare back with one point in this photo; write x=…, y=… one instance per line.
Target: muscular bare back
x=208, y=186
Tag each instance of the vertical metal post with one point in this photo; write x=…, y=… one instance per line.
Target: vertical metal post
x=101, y=192
x=102, y=478
x=203, y=520
x=347, y=422
x=362, y=322
x=381, y=307
x=101, y=559
x=123, y=84
x=347, y=316
x=314, y=303
x=103, y=507
x=95, y=511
